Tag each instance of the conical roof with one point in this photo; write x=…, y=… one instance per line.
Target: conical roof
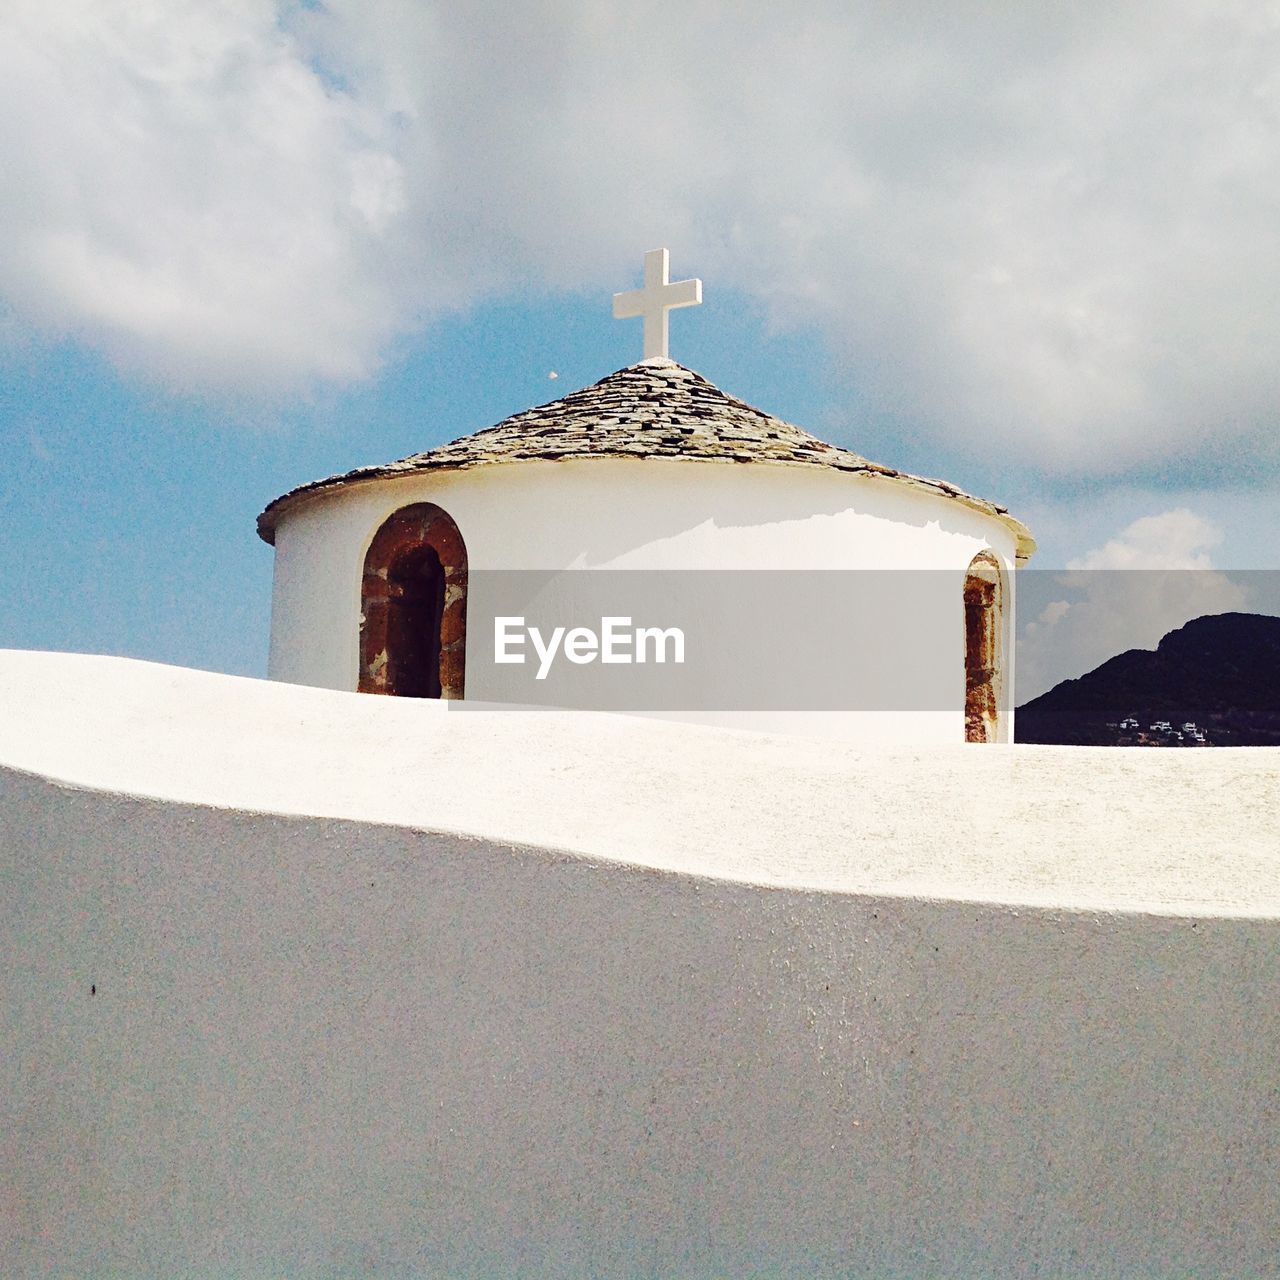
x=654, y=409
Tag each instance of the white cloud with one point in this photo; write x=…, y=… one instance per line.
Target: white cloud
x=1177, y=539
x=183, y=190
x=1050, y=225
x=1152, y=577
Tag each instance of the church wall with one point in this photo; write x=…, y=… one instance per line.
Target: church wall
x=263, y=1046
x=631, y=515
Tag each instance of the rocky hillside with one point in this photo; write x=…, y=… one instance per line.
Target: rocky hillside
x=1221, y=671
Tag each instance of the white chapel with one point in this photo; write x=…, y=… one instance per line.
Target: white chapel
x=385, y=577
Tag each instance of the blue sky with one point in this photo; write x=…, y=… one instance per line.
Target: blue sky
x=247, y=244
x=131, y=509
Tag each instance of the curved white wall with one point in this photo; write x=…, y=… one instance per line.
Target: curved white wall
x=296, y=983
x=643, y=514
x=791, y=1009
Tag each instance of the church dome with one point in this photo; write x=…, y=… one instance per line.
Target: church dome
x=654, y=409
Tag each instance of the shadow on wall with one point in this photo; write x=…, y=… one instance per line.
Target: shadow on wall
x=362, y=1048
x=592, y=514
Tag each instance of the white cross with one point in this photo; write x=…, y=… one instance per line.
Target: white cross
x=659, y=295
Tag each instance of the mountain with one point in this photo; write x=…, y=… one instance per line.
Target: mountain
x=1221, y=671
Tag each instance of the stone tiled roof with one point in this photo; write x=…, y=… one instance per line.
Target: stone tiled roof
x=654, y=409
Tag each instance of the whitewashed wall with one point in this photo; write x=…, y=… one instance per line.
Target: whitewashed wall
x=789, y=1008
x=650, y=514
x=255, y=1046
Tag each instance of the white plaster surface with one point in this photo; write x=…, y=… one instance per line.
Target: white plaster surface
x=405, y=989
x=1087, y=828
x=637, y=514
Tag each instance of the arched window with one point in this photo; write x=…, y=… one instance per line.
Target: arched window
x=413, y=604
x=984, y=649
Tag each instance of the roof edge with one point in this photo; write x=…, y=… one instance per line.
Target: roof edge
x=1024, y=541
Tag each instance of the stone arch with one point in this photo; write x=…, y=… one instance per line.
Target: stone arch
x=984, y=618
x=413, y=606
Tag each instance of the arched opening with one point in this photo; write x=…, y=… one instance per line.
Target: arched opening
x=413, y=625
x=983, y=649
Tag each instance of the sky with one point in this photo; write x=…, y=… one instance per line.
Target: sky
x=247, y=243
